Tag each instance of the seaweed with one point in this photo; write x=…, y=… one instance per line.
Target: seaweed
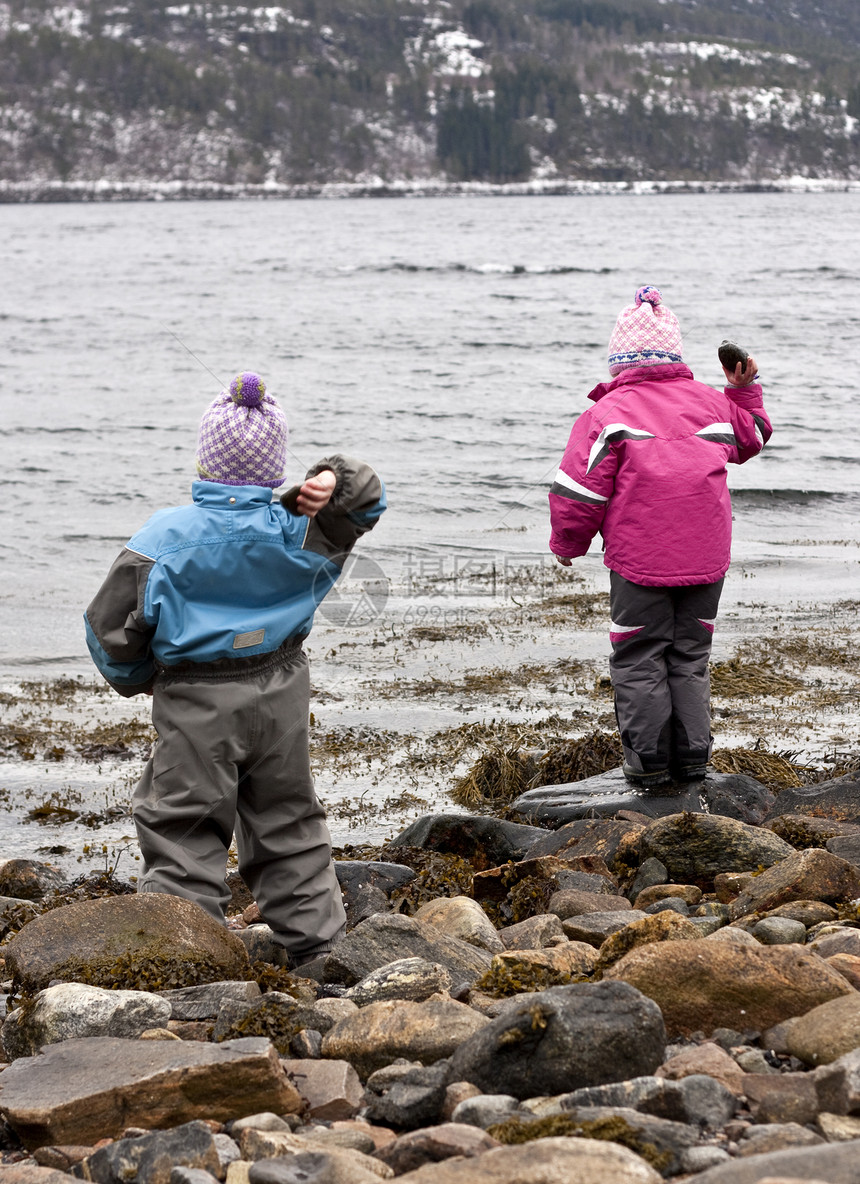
x=503, y=980
x=772, y=769
x=577, y=759
x=497, y=777
x=609, y=1128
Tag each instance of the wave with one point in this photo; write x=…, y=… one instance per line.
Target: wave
x=481, y=269
x=792, y=497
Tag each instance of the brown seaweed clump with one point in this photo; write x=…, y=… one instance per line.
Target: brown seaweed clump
x=501, y=981
x=497, y=777
x=736, y=679
x=438, y=874
x=775, y=771
x=577, y=759
x=611, y=1129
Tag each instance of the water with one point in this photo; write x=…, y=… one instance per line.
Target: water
x=450, y=342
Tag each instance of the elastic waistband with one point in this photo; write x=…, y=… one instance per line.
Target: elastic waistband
x=232, y=669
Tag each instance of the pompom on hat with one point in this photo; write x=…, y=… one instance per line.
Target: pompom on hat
x=243, y=436
x=645, y=334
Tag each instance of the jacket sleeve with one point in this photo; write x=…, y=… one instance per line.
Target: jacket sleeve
x=750, y=421
x=583, y=485
x=118, y=635
x=355, y=507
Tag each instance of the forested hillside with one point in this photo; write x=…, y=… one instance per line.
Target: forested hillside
x=398, y=90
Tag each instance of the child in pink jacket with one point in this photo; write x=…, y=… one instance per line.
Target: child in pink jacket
x=646, y=467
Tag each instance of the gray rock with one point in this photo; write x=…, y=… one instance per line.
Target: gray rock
x=354, y=874
x=779, y=931
x=276, y=1015
x=708, y=925
x=382, y=1079
x=651, y=872
x=603, y=796
x=610, y=839
x=383, y=939
x=265, y=1121
x=306, y=1045
x=486, y=1110
x=491, y=840
x=151, y=1158
x=697, y=1159
x=594, y=928
x=315, y=1167
x=205, y=1001
x=774, y=1136
x=228, y=1152
x=573, y=902
x=573, y=880
x=84, y=1090
x=563, y=1039
x=838, y=798
x=841, y=941
x=191, y=1176
x=535, y=933
x=409, y=978
x=837, y=1163
x=367, y=902
x=672, y=904
x=92, y=934
x=413, y=1101
x=71, y=1010
x=698, y=1100
x=846, y=847
x=259, y=941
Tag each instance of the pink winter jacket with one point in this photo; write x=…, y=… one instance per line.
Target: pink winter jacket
x=646, y=466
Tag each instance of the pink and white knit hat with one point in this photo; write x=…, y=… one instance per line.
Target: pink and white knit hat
x=243, y=436
x=645, y=334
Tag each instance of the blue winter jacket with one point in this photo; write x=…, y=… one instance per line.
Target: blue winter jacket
x=232, y=576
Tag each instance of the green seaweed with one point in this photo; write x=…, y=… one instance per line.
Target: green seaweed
x=611, y=1129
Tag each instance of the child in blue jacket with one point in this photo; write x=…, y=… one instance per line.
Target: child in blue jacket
x=206, y=609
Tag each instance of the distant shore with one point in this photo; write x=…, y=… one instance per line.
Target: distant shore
x=102, y=190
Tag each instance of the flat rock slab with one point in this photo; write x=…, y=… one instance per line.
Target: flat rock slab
x=389, y=938
x=729, y=794
x=175, y=934
x=838, y=799
x=85, y=1090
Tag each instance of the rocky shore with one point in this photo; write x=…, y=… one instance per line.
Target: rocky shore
x=637, y=989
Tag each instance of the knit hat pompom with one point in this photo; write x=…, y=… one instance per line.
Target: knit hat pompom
x=247, y=389
x=648, y=295
x=243, y=436
x=646, y=333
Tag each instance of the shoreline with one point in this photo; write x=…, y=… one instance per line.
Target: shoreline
x=47, y=192
x=405, y=705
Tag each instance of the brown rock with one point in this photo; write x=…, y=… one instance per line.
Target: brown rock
x=572, y=957
x=694, y=848
x=848, y=965
x=809, y=912
x=689, y=893
x=571, y=902
x=826, y=1032
x=496, y=882
x=615, y=841
x=455, y=1093
x=176, y=935
x=805, y=830
x=781, y=1097
x=814, y=874
x=701, y=986
x=463, y=917
x=83, y=1090
x=31, y=1173
x=666, y=926
x=331, y=1089
x=349, y=1166
x=707, y=1058
x=435, y=1143
x=62, y=1158
x=759, y=1140
x=838, y=1084
x=544, y=1161
x=382, y=1032
x=729, y=885
x=838, y=1128
x=838, y=941
x=595, y=928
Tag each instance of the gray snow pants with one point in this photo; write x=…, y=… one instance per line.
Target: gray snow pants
x=232, y=754
x=661, y=642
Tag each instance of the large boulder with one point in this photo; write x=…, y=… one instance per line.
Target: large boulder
x=694, y=848
x=814, y=874
x=701, y=986
x=81, y=1091
x=141, y=940
x=838, y=798
x=603, y=796
x=563, y=1039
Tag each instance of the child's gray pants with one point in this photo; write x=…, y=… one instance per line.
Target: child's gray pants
x=661, y=642
x=233, y=754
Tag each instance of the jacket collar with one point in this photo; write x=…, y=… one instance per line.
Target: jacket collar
x=230, y=497
x=635, y=374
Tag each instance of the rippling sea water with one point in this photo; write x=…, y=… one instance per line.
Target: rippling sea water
x=450, y=342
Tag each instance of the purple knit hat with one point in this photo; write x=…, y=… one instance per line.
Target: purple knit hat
x=243, y=436
x=645, y=334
